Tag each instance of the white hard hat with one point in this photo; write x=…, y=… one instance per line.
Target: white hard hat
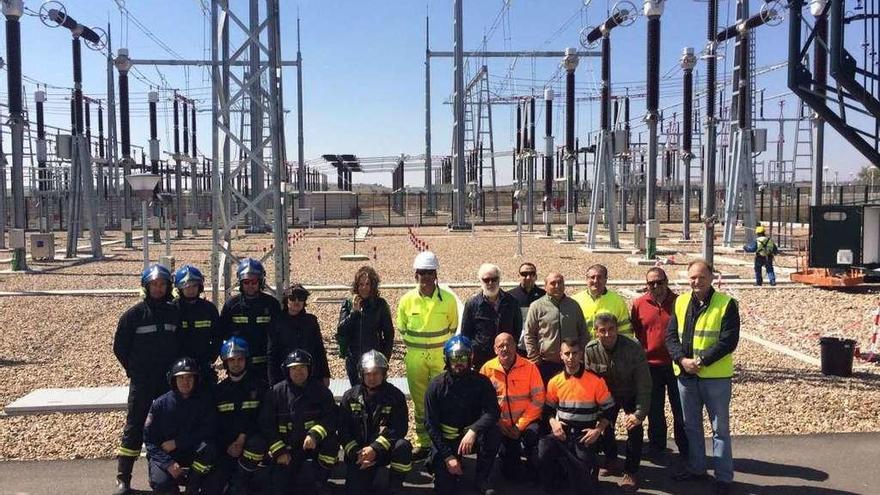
x=426, y=260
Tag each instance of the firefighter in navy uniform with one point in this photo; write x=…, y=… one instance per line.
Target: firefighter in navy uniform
x=298, y=420
x=179, y=434
x=238, y=397
x=199, y=321
x=373, y=422
x=250, y=313
x=146, y=344
x=461, y=415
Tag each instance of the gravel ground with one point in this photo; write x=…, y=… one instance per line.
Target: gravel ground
x=65, y=341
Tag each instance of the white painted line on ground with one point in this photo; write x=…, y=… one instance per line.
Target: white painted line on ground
x=800, y=356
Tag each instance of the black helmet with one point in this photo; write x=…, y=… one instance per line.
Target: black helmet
x=183, y=366
x=298, y=357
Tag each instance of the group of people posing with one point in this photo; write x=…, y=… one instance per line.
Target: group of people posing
x=530, y=375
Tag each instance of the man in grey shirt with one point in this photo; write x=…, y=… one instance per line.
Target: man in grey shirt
x=550, y=320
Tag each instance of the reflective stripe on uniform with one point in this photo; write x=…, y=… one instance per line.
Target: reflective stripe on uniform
x=350, y=445
x=400, y=467
x=240, y=319
x=125, y=452
x=201, y=468
x=419, y=345
x=383, y=442
x=450, y=432
x=252, y=455
x=225, y=406
x=319, y=430
x=250, y=404
x=146, y=329
x=259, y=359
x=707, y=330
x=275, y=447
x=264, y=319
x=202, y=323
x=327, y=460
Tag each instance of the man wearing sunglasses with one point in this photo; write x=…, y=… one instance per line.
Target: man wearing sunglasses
x=650, y=316
x=427, y=317
x=527, y=292
x=488, y=314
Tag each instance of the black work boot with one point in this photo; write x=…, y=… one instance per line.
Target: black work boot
x=124, y=466
x=395, y=482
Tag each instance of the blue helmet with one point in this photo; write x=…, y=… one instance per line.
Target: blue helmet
x=250, y=268
x=155, y=272
x=233, y=346
x=458, y=347
x=188, y=274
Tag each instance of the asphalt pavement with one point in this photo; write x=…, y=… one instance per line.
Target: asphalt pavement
x=831, y=464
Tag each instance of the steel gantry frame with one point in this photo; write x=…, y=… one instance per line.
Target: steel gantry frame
x=458, y=54
x=263, y=59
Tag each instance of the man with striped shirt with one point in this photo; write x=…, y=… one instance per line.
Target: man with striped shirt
x=581, y=401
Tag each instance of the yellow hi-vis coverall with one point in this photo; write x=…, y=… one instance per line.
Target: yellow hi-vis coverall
x=425, y=323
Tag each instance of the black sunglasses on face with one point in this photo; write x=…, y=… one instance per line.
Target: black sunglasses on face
x=655, y=283
x=489, y=280
x=426, y=272
x=297, y=297
x=527, y=274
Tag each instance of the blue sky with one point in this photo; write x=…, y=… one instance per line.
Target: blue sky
x=364, y=67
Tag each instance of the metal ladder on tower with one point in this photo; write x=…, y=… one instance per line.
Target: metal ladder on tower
x=803, y=138
x=485, y=133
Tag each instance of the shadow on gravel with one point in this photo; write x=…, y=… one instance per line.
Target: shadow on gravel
x=13, y=362
x=750, y=489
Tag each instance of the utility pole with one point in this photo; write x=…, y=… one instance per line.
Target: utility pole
x=708, y=214
x=688, y=62
x=570, y=62
x=43, y=176
x=459, y=222
x=153, y=99
x=820, y=75
x=123, y=65
x=429, y=203
x=653, y=11
x=178, y=179
x=13, y=10
x=301, y=169
x=548, y=159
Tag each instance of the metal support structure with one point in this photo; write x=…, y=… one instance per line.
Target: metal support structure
x=688, y=62
x=43, y=184
x=530, y=166
x=570, y=63
x=123, y=65
x=548, y=160
x=740, y=184
x=429, y=187
x=820, y=73
x=178, y=177
x=653, y=10
x=459, y=222
x=153, y=99
x=12, y=9
x=708, y=207
x=265, y=152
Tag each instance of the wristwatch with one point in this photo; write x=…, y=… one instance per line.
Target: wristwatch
x=698, y=361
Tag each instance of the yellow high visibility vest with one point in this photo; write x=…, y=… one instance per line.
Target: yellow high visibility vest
x=427, y=322
x=609, y=302
x=706, y=332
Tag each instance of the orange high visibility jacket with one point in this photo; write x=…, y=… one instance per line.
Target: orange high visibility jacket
x=579, y=399
x=520, y=392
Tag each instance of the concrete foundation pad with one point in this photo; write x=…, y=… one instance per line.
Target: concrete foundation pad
x=610, y=250
x=354, y=257
x=643, y=261
x=100, y=399
x=544, y=236
x=724, y=276
x=562, y=241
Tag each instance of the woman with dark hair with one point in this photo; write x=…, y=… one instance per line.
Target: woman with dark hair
x=364, y=323
x=296, y=329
